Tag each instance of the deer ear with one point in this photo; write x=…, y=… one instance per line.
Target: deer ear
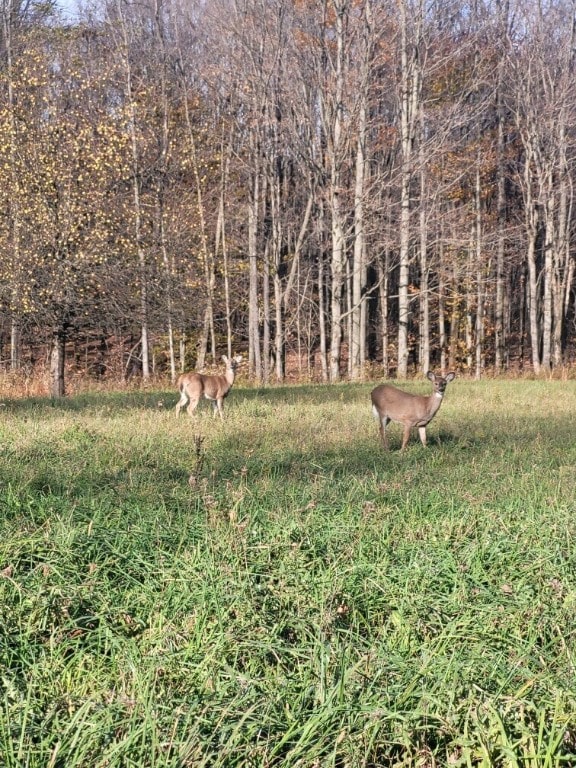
x=224, y=358
x=431, y=376
x=450, y=376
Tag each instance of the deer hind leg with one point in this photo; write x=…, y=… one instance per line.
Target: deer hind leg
x=383, y=436
x=182, y=402
x=193, y=404
x=422, y=433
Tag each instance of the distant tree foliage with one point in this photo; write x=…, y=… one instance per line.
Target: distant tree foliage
x=329, y=187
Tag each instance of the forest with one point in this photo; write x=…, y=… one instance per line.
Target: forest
x=329, y=187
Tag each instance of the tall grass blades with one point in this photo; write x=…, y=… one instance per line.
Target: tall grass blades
x=277, y=590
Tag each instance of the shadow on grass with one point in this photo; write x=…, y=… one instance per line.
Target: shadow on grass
x=154, y=399
x=113, y=401
x=81, y=468
x=363, y=459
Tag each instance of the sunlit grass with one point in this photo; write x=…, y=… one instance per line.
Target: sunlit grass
x=277, y=590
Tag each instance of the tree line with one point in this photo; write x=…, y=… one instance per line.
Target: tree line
x=324, y=185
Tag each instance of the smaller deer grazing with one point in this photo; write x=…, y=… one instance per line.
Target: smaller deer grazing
x=392, y=404
x=194, y=386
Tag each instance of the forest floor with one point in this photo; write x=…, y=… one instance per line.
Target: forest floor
x=276, y=590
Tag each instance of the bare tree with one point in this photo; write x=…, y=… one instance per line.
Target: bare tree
x=124, y=29
x=542, y=101
x=411, y=21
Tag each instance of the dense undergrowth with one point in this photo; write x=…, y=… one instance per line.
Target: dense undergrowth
x=278, y=591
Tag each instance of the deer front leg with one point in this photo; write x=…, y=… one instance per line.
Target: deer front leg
x=422, y=433
x=405, y=437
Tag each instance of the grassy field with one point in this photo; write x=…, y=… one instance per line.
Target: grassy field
x=278, y=591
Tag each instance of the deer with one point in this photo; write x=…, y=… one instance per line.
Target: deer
x=193, y=386
x=392, y=404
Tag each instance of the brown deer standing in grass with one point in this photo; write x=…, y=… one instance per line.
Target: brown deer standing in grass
x=392, y=404
x=194, y=386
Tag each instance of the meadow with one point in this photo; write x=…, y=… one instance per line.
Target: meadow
x=276, y=590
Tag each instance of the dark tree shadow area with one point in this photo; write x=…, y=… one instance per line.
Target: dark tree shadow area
x=166, y=398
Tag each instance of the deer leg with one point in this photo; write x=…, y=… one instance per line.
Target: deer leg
x=192, y=405
x=383, y=436
x=422, y=433
x=405, y=437
x=218, y=408
x=181, y=403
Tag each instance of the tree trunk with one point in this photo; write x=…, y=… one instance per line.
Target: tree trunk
x=14, y=195
x=442, y=312
x=168, y=277
x=424, y=324
x=499, y=337
x=254, y=355
x=162, y=185
x=410, y=96
x=357, y=335
x=221, y=241
x=533, y=299
x=469, y=302
x=266, y=350
x=334, y=160
x=479, y=330
x=15, y=336
x=135, y=180
x=208, y=333
x=383, y=280
x=547, y=306
x=337, y=284
x=563, y=266
x=279, y=341
x=455, y=318
x=282, y=297
x=322, y=318
x=357, y=340
x=57, y=360
x=273, y=264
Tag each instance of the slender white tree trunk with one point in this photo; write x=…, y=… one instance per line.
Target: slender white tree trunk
x=479, y=329
x=221, y=245
x=322, y=319
x=337, y=228
x=141, y=255
x=14, y=196
x=424, y=325
x=383, y=283
x=359, y=270
x=533, y=297
x=499, y=336
x=409, y=109
x=57, y=361
x=563, y=265
x=547, y=305
x=442, y=310
x=254, y=354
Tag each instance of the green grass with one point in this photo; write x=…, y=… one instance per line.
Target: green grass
x=278, y=591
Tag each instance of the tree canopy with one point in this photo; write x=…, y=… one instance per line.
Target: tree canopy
x=326, y=186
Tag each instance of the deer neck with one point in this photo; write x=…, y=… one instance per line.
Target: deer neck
x=434, y=402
